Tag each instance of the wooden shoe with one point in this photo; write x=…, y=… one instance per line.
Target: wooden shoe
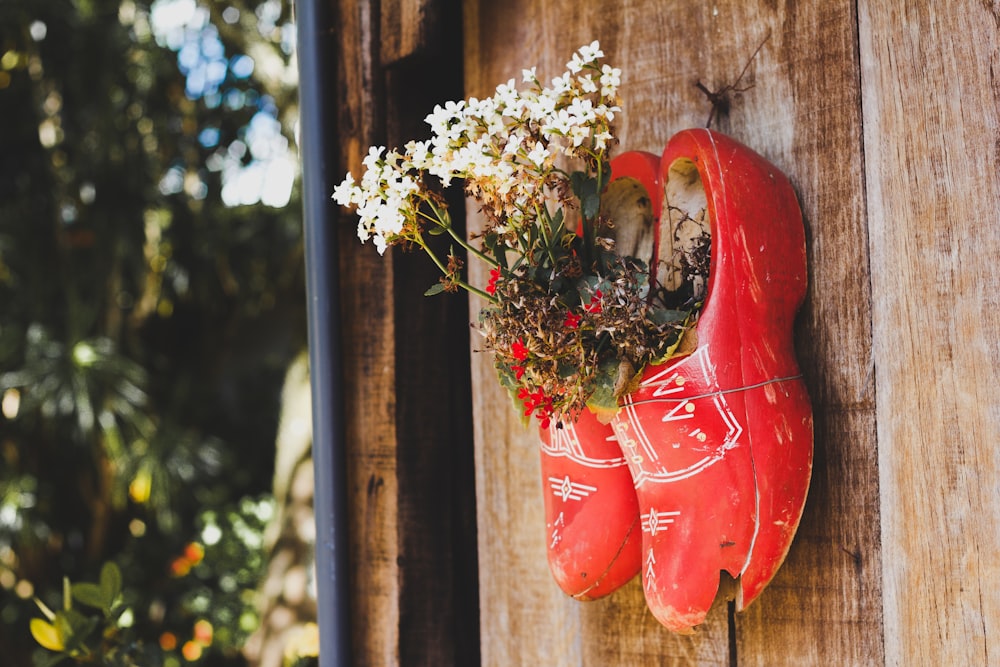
x=719, y=442
x=591, y=510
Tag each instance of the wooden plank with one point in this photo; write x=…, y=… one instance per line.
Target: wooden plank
x=803, y=114
x=407, y=413
x=931, y=119
x=369, y=359
x=405, y=28
x=437, y=538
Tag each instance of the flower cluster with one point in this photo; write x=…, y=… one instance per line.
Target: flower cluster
x=505, y=148
x=559, y=351
x=568, y=321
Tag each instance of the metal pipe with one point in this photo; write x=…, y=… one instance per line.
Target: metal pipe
x=316, y=144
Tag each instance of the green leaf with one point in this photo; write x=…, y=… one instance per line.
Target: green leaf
x=441, y=212
x=586, y=190
x=578, y=182
x=111, y=584
x=566, y=370
x=603, y=402
x=510, y=383
x=90, y=595
x=491, y=241
x=436, y=288
x=74, y=628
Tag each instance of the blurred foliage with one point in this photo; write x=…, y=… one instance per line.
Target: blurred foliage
x=149, y=303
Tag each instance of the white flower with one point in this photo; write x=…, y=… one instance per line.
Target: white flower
x=560, y=85
x=506, y=95
x=344, y=194
x=441, y=118
x=607, y=113
x=539, y=154
x=601, y=140
x=513, y=144
x=503, y=146
x=611, y=78
x=587, y=84
x=590, y=53
x=418, y=155
x=543, y=106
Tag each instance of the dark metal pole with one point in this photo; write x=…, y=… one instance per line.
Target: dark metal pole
x=315, y=145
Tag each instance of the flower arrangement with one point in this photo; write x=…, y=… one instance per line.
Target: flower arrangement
x=570, y=322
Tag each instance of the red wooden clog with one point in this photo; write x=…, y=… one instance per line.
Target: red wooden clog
x=719, y=442
x=591, y=510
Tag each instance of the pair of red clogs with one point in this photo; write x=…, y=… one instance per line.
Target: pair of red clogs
x=706, y=465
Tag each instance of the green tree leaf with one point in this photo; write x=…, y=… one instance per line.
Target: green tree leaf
x=111, y=584
x=90, y=595
x=436, y=288
x=74, y=628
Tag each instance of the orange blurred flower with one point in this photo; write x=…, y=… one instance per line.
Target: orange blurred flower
x=168, y=641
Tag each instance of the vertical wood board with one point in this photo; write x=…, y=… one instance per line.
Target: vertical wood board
x=436, y=514
x=931, y=118
x=803, y=113
x=369, y=362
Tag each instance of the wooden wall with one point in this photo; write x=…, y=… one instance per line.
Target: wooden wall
x=407, y=413
x=886, y=116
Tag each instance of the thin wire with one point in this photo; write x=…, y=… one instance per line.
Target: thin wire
x=720, y=392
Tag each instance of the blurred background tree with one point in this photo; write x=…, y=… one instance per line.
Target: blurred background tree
x=151, y=300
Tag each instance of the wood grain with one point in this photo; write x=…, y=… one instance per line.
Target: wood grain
x=540, y=625
x=406, y=28
x=931, y=116
x=407, y=408
x=437, y=544
x=886, y=116
x=803, y=113
x=369, y=365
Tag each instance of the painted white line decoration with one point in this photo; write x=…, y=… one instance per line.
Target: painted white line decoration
x=693, y=446
x=654, y=521
x=566, y=489
x=566, y=442
x=556, y=536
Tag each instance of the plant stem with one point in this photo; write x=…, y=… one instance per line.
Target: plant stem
x=469, y=248
x=545, y=228
x=444, y=222
x=461, y=283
